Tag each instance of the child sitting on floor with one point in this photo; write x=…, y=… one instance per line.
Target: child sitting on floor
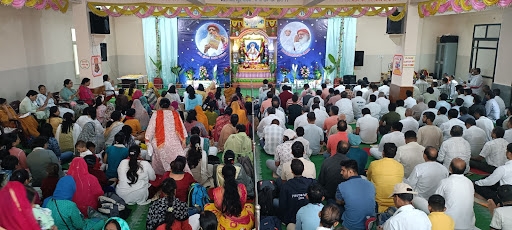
x=42, y=215
x=436, y=207
x=81, y=147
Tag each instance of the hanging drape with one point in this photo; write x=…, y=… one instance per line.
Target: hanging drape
x=341, y=46
x=348, y=49
x=149, y=36
x=168, y=47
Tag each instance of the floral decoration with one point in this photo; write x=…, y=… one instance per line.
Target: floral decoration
x=304, y=72
x=203, y=73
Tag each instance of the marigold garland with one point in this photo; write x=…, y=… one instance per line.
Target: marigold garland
x=430, y=8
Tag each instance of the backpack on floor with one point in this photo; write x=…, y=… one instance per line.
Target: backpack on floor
x=270, y=223
x=198, y=196
x=247, y=166
x=111, y=204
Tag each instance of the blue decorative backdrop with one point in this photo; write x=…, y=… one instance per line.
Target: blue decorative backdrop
x=191, y=54
x=310, y=53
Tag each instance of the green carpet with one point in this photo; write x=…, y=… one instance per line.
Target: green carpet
x=137, y=218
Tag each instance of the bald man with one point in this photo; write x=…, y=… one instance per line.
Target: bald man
x=459, y=194
x=410, y=124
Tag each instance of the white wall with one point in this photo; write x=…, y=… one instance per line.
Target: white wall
x=379, y=47
x=129, y=45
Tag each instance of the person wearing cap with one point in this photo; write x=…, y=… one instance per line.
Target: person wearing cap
x=458, y=191
x=334, y=139
x=314, y=134
x=298, y=153
x=486, y=188
x=406, y=216
x=384, y=174
x=410, y=154
x=329, y=176
x=239, y=143
x=437, y=217
x=356, y=195
x=283, y=152
x=301, y=40
x=501, y=212
x=213, y=43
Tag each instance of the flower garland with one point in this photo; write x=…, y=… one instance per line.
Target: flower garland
x=222, y=11
x=61, y=5
x=304, y=72
x=203, y=73
x=433, y=7
x=190, y=74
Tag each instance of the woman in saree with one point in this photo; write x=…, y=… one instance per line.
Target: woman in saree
x=165, y=142
x=85, y=93
x=140, y=113
x=88, y=188
x=29, y=105
x=69, y=95
x=8, y=119
x=231, y=210
x=192, y=121
x=201, y=117
x=114, y=128
x=144, y=101
x=242, y=114
x=13, y=199
x=151, y=94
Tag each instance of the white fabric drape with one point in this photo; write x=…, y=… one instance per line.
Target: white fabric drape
x=168, y=47
x=149, y=36
x=348, y=47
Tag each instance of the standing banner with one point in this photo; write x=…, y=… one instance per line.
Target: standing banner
x=301, y=42
x=202, y=45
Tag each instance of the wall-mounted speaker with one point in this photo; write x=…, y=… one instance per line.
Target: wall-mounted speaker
x=103, y=48
x=99, y=25
x=359, y=58
x=395, y=27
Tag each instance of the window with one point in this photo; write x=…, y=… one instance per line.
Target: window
x=485, y=48
x=75, y=53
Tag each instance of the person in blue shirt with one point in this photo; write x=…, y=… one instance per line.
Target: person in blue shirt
x=356, y=195
x=115, y=154
x=307, y=216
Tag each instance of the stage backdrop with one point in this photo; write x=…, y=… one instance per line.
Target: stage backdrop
x=301, y=42
x=203, y=43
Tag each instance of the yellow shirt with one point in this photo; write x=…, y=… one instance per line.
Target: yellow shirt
x=135, y=124
x=441, y=221
x=384, y=174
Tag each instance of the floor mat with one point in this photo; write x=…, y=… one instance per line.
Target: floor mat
x=137, y=219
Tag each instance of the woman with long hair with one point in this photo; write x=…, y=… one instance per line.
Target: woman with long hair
x=133, y=93
x=165, y=142
x=54, y=120
x=129, y=141
x=85, y=93
x=9, y=142
x=201, y=91
x=101, y=108
x=53, y=144
x=192, y=99
x=67, y=133
x=88, y=189
x=151, y=94
x=229, y=203
x=141, y=113
x=172, y=94
x=183, y=179
x=114, y=128
x=197, y=160
x=168, y=212
x=192, y=121
x=134, y=176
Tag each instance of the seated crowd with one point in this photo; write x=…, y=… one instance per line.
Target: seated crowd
x=161, y=150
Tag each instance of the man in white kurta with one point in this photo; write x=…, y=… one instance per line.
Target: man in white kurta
x=395, y=136
x=409, y=122
x=475, y=136
x=358, y=104
x=484, y=123
x=476, y=82
x=492, y=108
x=374, y=107
x=345, y=106
x=446, y=127
x=426, y=177
x=455, y=147
x=459, y=193
x=367, y=126
x=410, y=154
x=494, y=152
x=406, y=216
x=384, y=103
x=213, y=43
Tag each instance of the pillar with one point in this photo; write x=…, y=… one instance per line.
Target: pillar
x=408, y=46
x=502, y=79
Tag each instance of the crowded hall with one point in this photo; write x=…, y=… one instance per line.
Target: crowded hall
x=255, y=114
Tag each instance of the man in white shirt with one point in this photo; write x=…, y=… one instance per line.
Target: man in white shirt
x=410, y=154
x=486, y=187
x=345, y=107
x=409, y=122
x=383, y=102
x=358, y=104
x=442, y=102
x=374, y=107
x=406, y=216
x=492, y=108
x=484, y=123
x=374, y=90
x=305, y=143
x=110, y=91
x=455, y=147
x=446, y=127
x=45, y=98
x=422, y=84
x=476, y=82
x=499, y=100
x=272, y=137
x=475, y=136
x=409, y=101
x=301, y=120
x=314, y=134
x=508, y=130
x=459, y=194
x=441, y=117
x=425, y=177
x=264, y=87
x=430, y=95
x=494, y=152
x=501, y=214
x=319, y=100
x=400, y=109
x=395, y=136
x=267, y=121
x=320, y=115
x=367, y=127
x=430, y=135
x=384, y=88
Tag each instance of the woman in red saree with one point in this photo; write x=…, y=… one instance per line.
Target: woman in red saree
x=84, y=93
x=165, y=137
x=88, y=189
x=232, y=212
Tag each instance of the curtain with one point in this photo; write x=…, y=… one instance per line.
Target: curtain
x=149, y=36
x=341, y=42
x=168, y=48
x=348, y=49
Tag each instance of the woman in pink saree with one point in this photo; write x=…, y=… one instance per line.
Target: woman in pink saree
x=165, y=137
